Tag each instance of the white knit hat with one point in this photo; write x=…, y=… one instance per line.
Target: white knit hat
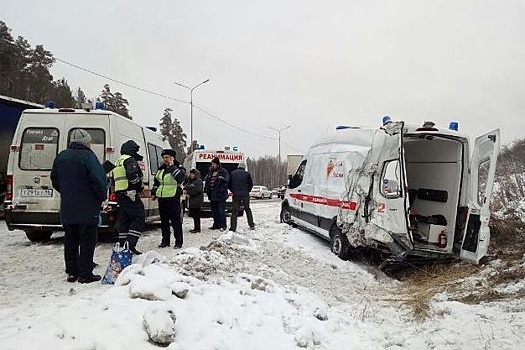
x=80, y=136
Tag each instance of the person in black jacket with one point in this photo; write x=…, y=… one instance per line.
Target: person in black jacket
x=241, y=184
x=166, y=187
x=195, y=191
x=128, y=179
x=216, y=188
x=82, y=183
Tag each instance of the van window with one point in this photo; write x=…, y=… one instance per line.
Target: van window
x=39, y=148
x=155, y=157
x=98, y=142
x=390, y=179
x=483, y=173
x=297, y=179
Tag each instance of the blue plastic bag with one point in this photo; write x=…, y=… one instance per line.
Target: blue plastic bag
x=120, y=259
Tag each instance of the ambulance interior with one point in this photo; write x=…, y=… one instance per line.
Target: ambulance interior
x=434, y=170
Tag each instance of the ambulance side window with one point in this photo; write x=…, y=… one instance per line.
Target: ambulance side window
x=155, y=158
x=297, y=179
x=390, y=179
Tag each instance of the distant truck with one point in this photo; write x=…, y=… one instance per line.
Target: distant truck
x=10, y=111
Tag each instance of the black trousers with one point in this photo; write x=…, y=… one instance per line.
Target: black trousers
x=195, y=213
x=236, y=206
x=170, y=216
x=79, y=247
x=131, y=218
x=218, y=211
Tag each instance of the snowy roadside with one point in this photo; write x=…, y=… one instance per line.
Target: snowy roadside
x=276, y=287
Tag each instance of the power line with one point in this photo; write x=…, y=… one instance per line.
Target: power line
x=121, y=82
x=232, y=125
x=209, y=114
x=290, y=146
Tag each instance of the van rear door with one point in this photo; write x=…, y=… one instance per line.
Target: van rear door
x=32, y=188
x=476, y=236
x=389, y=212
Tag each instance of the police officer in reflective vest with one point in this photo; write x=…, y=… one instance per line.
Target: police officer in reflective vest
x=166, y=187
x=128, y=186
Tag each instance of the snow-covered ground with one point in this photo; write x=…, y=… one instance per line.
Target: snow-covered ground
x=272, y=288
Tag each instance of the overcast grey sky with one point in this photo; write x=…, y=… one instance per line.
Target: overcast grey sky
x=309, y=64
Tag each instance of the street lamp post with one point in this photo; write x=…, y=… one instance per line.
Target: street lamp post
x=191, y=106
x=279, y=132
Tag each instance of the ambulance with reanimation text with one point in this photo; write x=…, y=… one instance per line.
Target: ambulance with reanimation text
x=200, y=159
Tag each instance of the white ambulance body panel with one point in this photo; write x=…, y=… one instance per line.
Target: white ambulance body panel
x=33, y=205
x=401, y=189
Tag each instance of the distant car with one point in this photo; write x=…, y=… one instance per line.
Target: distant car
x=275, y=192
x=281, y=191
x=260, y=192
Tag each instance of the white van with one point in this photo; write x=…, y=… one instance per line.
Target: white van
x=200, y=159
x=31, y=203
x=406, y=191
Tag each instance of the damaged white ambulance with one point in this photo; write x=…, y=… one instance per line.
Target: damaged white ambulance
x=409, y=192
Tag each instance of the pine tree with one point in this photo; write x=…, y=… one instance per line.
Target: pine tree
x=115, y=102
x=80, y=98
x=62, y=94
x=24, y=71
x=172, y=130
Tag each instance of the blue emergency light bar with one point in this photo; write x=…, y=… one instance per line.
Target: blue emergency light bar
x=50, y=104
x=453, y=126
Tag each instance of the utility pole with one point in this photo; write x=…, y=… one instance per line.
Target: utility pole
x=279, y=132
x=191, y=107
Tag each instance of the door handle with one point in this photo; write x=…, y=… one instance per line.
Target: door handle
x=298, y=190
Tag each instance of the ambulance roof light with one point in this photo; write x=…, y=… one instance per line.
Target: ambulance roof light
x=100, y=105
x=50, y=104
x=202, y=147
x=386, y=119
x=453, y=126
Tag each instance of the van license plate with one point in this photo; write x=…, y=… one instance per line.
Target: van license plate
x=36, y=192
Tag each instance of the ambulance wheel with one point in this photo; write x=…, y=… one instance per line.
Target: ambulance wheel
x=340, y=244
x=286, y=216
x=38, y=236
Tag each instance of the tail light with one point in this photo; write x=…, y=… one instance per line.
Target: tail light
x=9, y=190
x=112, y=194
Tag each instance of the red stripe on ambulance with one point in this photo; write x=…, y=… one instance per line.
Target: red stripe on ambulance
x=330, y=202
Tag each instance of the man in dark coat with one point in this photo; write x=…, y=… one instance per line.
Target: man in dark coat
x=217, y=190
x=82, y=183
x=128, y=176
x=167, y=188
x=195, y=191
x=241, y=184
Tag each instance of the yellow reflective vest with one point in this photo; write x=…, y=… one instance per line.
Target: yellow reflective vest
x=119, y=174
x=167, y=184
